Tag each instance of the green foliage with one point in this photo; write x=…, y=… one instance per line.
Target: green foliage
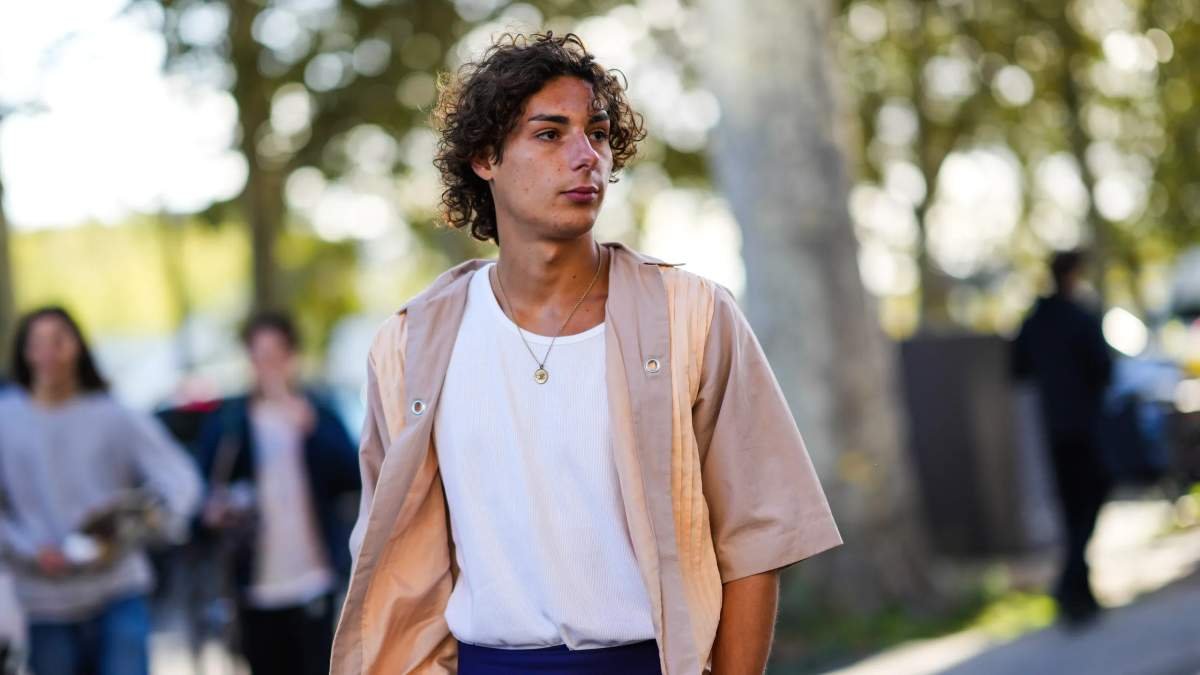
x=112, y=278
x=343, y=91
x=812, y=638
x=1108, y=84
x=320, y=282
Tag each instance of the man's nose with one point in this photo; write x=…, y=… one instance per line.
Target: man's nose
x=582, y=154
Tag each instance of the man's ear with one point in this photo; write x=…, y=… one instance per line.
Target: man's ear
x=482, y=165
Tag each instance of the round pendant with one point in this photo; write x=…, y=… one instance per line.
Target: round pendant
x=541, y=375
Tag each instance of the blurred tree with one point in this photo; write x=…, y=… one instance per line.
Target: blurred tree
x=1072, y=72
x=331, y=89
x=8, y=304
x=895, y=59
x=1175, y=191
x=171, y=231
x=305, y=76
x=12, y=103
x=891, y=64
x=775, y=158
x=1091, y=99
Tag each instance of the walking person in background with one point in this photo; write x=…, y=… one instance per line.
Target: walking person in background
x=12, y=624
x=12, y=620
x=278, y=463
x=1061, y=348
x=77, y=469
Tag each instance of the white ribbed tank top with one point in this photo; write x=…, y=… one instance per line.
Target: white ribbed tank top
x=535, y=508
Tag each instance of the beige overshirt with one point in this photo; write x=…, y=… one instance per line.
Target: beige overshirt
x=714, y=476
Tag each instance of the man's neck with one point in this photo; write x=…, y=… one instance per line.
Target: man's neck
x=542, y=273
x=544, y=286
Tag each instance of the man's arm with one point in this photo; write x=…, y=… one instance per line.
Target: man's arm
x=167, y=471
x=748, y=608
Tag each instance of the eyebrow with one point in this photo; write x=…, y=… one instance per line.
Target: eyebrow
x=601, y=116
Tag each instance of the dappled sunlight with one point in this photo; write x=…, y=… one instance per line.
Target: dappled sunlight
x=1133, y=553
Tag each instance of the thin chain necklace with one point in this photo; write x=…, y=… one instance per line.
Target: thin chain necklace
x=541, y=375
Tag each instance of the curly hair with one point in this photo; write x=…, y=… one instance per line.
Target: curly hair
x=479, y=106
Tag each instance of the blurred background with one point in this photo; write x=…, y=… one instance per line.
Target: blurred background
x=880, y=182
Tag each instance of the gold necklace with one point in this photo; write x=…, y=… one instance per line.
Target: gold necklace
x=541, y=375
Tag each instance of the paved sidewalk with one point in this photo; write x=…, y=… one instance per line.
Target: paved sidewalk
x=1157, y=635
x=1152, y=584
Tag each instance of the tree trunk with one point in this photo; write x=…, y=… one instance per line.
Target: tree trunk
x=171, y=234
x=932, y=148
x=775, y=159
x=1077, y=137
x=262, y=200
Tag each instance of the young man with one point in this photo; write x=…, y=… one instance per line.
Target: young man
x=1061, y=347
x=291, y=458
x=576, y=460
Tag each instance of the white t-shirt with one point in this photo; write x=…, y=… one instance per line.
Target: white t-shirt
x=536, y=514
x=291, y=566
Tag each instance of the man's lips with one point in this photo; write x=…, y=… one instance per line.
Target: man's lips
x=583, y=193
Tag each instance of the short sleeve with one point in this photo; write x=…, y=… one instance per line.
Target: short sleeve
x=767, y=509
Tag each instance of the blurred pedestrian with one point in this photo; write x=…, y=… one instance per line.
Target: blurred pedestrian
x=279, y=462
x=1062, y=349
x=12, y=624
x=78, y=473
x=12, y=620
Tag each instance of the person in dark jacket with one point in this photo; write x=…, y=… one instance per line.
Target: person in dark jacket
x=279, y=463
x=1062, y=349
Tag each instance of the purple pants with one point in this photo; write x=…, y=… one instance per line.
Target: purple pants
x=636, y=659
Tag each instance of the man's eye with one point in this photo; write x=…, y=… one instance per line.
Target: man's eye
x=548, y=134
x=600, y=135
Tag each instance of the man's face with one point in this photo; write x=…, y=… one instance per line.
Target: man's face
x=557, y=161
x=273, y=360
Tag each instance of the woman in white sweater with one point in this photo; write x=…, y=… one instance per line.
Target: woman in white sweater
x=69, y=451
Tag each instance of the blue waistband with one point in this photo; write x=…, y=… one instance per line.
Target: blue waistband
x=640, y=658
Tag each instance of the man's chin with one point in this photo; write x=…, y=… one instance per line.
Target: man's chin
x=573, y=228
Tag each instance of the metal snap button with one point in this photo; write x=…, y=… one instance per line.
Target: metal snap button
x=418, y=407
x=653, y=366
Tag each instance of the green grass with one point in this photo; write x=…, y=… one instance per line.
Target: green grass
x=1015, y=614
x=811, y=643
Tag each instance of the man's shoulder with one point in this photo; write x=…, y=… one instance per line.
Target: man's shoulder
x=688, y=293
x=680, y=282
x=698, y=295
x=390, y=337
x=447, y=281
x=1070, y=311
